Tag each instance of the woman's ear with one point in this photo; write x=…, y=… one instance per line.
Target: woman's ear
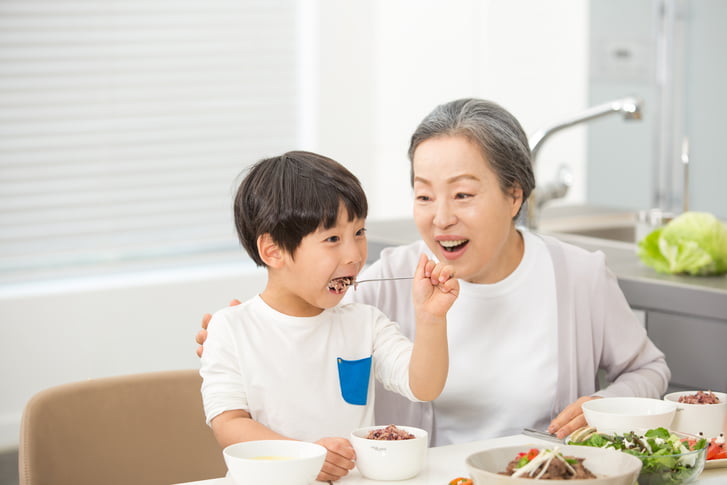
x=269, y=251
x=516, y=192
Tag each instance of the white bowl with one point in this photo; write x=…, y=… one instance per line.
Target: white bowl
x=611, y=467
x=390, y=460
x=695, y=418
x=622, y=414
x=274, y=462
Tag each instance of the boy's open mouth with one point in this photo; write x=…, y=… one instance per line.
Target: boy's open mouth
x=451, y=246
x=339, y=285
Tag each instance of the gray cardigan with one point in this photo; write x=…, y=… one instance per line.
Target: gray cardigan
x=597, y=331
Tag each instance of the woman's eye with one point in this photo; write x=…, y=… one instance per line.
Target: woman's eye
x=423, y=198
x=462, y=195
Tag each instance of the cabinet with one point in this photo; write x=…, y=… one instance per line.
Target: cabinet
x=695, y=349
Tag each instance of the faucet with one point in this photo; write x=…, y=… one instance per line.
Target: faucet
x=629, y=107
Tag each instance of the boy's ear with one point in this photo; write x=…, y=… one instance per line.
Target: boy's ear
x=269, y=251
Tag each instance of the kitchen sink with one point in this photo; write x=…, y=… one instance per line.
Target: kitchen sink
x=625, y=233
x=592, y=222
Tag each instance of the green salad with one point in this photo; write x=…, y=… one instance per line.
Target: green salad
x=665, y=456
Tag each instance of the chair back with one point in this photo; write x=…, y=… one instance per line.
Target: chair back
x=136, y=429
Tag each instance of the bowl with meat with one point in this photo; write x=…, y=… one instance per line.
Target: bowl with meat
x=620, y=414
x=390, y=452
x=699, y=412
x=520, y=465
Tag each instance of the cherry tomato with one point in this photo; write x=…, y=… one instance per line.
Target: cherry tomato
x=716, y=451
x=461, y=481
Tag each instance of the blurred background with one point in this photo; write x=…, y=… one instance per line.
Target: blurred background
x=124, y=126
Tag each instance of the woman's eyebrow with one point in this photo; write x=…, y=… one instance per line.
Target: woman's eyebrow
x=451, y=180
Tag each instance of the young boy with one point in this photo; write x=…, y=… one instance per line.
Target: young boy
x=291, y=363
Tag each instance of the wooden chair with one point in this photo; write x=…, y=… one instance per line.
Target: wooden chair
x=132, y=430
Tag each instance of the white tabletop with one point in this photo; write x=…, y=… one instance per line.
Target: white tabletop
x=447, y=462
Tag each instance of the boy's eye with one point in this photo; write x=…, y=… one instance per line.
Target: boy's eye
x=333, y=239
x=361, y=232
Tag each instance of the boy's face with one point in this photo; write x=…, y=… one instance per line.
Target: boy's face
x=302, y=286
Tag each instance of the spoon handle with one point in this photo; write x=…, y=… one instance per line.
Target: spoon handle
x=543, y=435
x=386, y=279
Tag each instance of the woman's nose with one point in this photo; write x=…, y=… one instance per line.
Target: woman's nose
x=444, y=215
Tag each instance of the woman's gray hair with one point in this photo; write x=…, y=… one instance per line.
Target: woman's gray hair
x=491, y=127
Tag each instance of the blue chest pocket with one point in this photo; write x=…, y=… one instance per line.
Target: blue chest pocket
x=353, y=376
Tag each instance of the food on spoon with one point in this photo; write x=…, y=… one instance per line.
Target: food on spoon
x=339, y=285
x=700, y=397
x=389, y=433
x=547, y=465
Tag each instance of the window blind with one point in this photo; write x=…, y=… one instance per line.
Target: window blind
x=124, y=124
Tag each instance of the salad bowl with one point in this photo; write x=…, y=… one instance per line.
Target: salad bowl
x=667, y=457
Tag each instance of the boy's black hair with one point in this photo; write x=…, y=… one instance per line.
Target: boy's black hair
x=291, y=196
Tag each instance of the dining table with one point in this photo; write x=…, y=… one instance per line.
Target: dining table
x=445, y=463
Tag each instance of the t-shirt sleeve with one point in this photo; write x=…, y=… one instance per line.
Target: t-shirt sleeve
x=223, y=382
x=392, y=354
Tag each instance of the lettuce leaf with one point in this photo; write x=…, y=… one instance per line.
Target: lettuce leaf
x=693, y=243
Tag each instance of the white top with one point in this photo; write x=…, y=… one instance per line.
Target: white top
x=595, y=330
x=303, y=377
x=477, y=402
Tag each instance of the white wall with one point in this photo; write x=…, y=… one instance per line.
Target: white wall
x=118, y=324
x=384, y=68
x=383, y=65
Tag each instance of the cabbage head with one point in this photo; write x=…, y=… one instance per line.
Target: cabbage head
x=693, y=243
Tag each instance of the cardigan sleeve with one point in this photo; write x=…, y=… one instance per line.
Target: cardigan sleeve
x=634, y=366
x=598, y=332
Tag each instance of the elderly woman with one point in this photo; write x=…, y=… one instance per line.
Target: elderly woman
x=536, y=318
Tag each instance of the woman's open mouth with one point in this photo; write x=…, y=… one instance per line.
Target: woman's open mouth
x=451, y=246
x=339, y=285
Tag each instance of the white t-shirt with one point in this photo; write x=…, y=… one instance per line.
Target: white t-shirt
x=502, y=344
x=303, y=377
x=503, y=353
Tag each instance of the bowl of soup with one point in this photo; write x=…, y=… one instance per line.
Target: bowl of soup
x=274, y=462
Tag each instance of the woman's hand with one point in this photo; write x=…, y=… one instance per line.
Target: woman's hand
x=339, y=459
x=202, y=334
x=570, y=419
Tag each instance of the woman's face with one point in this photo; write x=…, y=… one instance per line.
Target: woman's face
x=462, y=213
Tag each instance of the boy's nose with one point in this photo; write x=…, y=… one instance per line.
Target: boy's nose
x=355, y=253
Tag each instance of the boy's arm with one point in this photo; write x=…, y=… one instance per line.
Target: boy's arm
x=434, y=291
x=237, y=425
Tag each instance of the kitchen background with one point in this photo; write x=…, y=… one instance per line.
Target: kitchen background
x=125, y=124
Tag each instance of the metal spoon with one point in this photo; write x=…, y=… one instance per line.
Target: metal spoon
x=384, y=279
x=581, y=434
x=543, y=435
